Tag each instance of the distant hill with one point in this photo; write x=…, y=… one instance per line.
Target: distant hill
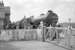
x=67, y=24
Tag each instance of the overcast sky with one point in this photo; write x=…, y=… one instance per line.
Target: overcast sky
x=64, y=8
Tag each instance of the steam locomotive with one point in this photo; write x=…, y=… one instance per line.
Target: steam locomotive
x=50, y=19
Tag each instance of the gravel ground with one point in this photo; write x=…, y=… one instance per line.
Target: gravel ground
x=28, y=45
x=6, y=46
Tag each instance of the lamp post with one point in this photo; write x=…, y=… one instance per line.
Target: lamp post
x=69, y=33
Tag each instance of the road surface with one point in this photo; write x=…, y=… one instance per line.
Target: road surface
x=29, y=45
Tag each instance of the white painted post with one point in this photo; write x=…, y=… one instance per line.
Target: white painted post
x=69, y=38
x=57, y=35
x=43, y=31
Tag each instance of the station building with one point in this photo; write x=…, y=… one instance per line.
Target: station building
x=4, y=15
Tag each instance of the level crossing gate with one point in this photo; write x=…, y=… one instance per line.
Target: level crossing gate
x=60, y=36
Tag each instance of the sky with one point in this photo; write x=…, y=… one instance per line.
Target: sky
x=65, y=9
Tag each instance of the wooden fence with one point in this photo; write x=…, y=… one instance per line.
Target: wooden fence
x=21, y=34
